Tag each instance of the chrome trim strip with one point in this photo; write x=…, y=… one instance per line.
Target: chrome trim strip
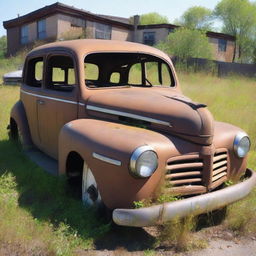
x=106, y=159
x=51, y=98
x=121, y=113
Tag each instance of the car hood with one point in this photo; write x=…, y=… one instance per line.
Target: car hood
x=161, y=109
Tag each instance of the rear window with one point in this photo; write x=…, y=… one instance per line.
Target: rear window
x=34, y=74
x=60, y=73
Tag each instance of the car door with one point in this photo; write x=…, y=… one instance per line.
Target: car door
x=58, y=102
x=30, y=89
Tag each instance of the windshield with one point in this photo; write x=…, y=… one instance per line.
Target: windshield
x=126, y=69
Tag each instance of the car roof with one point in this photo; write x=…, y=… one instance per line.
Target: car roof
x=82, y=47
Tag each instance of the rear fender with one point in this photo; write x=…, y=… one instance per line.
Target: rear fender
x=18, y=115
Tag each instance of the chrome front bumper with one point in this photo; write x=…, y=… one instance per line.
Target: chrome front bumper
x=159, y=214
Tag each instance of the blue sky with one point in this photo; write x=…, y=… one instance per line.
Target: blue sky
x=171, y=8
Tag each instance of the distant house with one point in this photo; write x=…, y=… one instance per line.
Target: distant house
x=53, y=22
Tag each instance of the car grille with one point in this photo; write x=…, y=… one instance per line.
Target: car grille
x=220, y=167
x=184, y=174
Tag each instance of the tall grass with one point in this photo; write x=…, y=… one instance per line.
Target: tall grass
x=39, y=217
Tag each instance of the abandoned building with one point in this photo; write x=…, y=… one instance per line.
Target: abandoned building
x=56, y=21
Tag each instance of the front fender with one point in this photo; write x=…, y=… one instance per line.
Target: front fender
x=18, y=114
x=91, y=138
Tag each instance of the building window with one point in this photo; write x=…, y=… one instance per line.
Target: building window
x=149, y=38
x=41, y=29
x=102, y=31
x=24, y=34
x=171, y=30
x=222, y=45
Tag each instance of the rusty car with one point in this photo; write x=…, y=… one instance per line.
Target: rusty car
x=114, y=116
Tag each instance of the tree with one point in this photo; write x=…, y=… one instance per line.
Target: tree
x=239, y=20
x=3, y=46
x=153, y=18
x=185, y=43
x=197, y=17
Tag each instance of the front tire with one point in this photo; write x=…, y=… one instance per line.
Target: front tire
x=90, y=192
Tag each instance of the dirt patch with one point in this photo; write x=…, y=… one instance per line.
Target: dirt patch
x=142, y=242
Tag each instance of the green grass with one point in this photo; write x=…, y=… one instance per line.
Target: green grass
x=37, y=210
x=39, y=217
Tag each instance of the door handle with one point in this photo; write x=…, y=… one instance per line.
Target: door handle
x=40, y=102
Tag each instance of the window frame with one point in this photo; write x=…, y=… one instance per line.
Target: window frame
x=146, y=41
x=26, y=73
x=41, y=34
x=169, y=65
x=107, y=35
x=47, y=73
x=24, y=34
x=222, y=45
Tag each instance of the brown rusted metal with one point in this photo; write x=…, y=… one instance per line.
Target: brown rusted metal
x=104, y=123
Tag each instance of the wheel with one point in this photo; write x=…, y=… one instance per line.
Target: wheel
x=14, y=133
x=90, y=192
x=91, y=195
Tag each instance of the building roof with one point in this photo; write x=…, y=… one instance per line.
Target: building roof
x=106, y=19
x=68, y=10
x=172, y=26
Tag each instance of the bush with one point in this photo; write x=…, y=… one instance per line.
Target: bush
x=186, y=43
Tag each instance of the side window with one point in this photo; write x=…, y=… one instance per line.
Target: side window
x=152, y=73
x=34, y=74
x=60, y=73
x=157, y=73
x=166, y=78
x=135, y=75
x=115, y=78
x=91, y=71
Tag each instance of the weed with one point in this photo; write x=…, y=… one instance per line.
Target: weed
x=149, y=252
x=229, y=183
x=142, y=203
x=178, y=233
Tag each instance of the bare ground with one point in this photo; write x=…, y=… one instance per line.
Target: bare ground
x=131, y=241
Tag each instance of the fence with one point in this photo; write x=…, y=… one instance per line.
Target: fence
x=218, y=67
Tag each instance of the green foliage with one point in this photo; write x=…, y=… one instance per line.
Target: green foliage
x=3, y=46
x=185, y=43
x=142, y=203
x=229, y=183
x=164, y=198
x=153, y=18
x=239, y=19
x=197, y=17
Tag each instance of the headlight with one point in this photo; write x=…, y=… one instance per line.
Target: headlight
x=242, y=144
x=143, y=162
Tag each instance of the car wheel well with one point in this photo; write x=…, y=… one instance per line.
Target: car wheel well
x=74, y=172
x=74, y=164
x=13, y=129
